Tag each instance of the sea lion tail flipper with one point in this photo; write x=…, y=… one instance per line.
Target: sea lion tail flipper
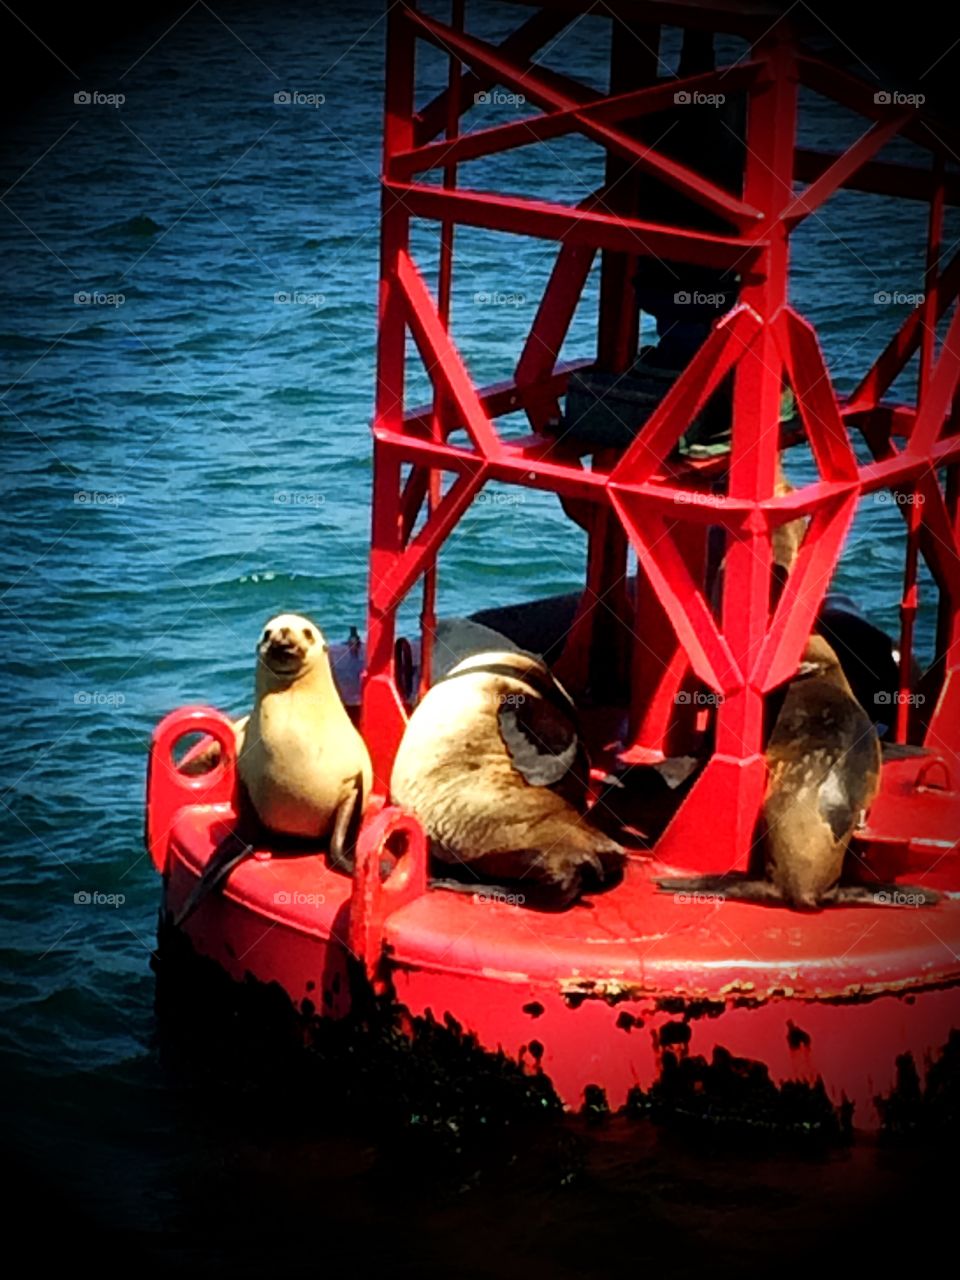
x=346, y=828
x=477, y=888
x=732, y=885
x=884, y=895
x=229, y=854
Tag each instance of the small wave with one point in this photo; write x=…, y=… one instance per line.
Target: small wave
x=141, y=225
x=294, y=395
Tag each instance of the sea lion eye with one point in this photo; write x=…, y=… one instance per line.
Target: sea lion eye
x=266, y=635
x=308, y=634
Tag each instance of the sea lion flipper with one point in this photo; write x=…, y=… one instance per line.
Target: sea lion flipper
x=733, y=886
x=346, y=828
x=884, y=895
x=207, y=759
x=228, y=854
x=542, y=742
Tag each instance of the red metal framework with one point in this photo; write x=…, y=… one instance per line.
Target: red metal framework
x=591, y=996
x=640, y=496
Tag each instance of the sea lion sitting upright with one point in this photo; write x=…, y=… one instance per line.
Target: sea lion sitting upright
x=823, y=760
x=492, y=766
x=303, y=767
x=824, y=771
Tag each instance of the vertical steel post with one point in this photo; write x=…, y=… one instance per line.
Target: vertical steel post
x=910, y=597
x=428, y=614
x=633, y=62
x=382, y=715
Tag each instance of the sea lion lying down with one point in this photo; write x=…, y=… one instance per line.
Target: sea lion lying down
x=492, y=765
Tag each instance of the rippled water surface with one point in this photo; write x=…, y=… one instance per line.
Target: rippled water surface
x=183, y=463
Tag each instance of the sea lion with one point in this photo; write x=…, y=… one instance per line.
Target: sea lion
x=454, y=640
x=492, y=765
x=304, y=769
x=823, y=760
x=870, y=659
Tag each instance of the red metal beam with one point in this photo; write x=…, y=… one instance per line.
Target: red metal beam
x=938, y=540
x=513, y=465
x=397, y=579
x=804, y=590
x=729, y=792
x=878, y=177
x=520, y=46
x=724, y=347
x=441, y=357
x=689, y=612
x=844, y=167
x=903, y=345
x=889, y=473
x=552, y=321
x=561, y=222
x=557, y=123
x=932, y=410
x=849, y=90
x=693, y=506
x=537, y=88
x=826, y=433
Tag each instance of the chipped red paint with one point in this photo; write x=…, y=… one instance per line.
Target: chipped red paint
x=862, y=985
x=598, y=982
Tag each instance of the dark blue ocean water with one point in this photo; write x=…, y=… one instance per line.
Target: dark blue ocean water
x=185, y=455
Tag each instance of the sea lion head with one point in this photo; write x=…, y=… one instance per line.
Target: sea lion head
x=289, y=648
x=819, y=658
x=820, y=662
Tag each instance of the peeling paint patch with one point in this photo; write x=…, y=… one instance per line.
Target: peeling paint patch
x=534, y=1009
x=627, y=1021
x=673, y=1033
x=611, y=990
x=689, y=1009
x=797, y=1038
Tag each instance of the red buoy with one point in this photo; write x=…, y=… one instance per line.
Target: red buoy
x=613, y=988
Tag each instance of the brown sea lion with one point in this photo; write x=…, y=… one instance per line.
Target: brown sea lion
x=823, y=761
x=304, y=769
x=492, y=765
